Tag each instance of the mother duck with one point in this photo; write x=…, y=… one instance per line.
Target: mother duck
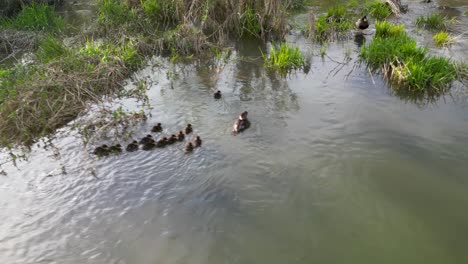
x=241, y=124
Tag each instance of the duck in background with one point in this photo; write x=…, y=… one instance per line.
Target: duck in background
x=362, y=23
x=217, y=95
x=188, y=129
x=157, y=128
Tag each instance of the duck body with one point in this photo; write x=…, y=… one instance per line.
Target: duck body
x=149, y=145
x=116, y=149
x=132, y=146
x=180, y=136
x=217, y=95
x=101, y=151
x=189, y=147
x=197, y=142
x=157, y=128
x=146, y=139
x=241, y=124
x=362, y=23
x=161, y=143
x=188, y=129
x=172, y=139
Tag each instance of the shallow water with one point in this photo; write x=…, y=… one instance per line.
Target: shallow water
x=336, y=168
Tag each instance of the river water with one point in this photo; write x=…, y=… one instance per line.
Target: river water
x=336, y=168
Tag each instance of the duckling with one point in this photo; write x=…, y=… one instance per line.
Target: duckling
x=172, y=139
x=241, y=124
x=189, y=147
x=217, y=95
x=162, y=142
x=157, y=128
x=362, y=23
x=149, y=145
x=180, y=136
x=101, y=151
x=116, y=149
x=132, y=146
x=188, y=129
x=197, y=142
x=146, y=139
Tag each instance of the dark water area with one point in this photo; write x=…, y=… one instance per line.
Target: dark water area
x=336, y=168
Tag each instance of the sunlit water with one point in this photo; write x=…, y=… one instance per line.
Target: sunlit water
x=335, y=169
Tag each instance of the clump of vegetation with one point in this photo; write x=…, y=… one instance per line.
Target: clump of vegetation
x=433, y=22
x=284, y=58
x=407, y=66
x=334, y=24
x=38, y=17
x=442, y=39
x=38, y=98
x=378, y=9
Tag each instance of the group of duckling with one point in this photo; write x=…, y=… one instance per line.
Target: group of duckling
x=149, y=143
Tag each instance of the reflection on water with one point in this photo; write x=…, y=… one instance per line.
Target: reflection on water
x=335, y=169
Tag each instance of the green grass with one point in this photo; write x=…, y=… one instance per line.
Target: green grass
x=36, y=17
x=335, y=23
x=433, y=22
x=160, y=10
x=114, y=13
x=378, y=9
x=407, y=66
x=50, y=48
x=442, y=39
x=284, y=58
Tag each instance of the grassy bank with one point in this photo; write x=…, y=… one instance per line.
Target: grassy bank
x=61, y=79
x=405, y=65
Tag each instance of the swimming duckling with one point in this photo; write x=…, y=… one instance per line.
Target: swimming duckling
x=116, y=149
x=362, y=23
x=188, y=129
x=189, y=147
x=180, y=136
x=101, y=151
x=146, y=139
x=241, y=124
x=157, y=128
x=217, y=95
x=162, y=142
x=197, y=142
x=132, y=146
x=172, y=139
x=149, y=145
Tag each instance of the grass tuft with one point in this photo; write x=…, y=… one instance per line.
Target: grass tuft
x=334, y=24
x=378, y=9
x=442, y=39
x=36, y=17
x=284, y=58
x=407, y=66
x=433, y=22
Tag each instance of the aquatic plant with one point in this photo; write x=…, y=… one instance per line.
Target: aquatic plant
x=323, y=50
x=114, y=13
x=433, y=22
x=284, y=58
x=50, y=48
x=378, y=9
x=406, y=65
x=443, y=38
x=39, y=17
x=334, y=24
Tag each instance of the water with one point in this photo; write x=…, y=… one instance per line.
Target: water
x=335, y=169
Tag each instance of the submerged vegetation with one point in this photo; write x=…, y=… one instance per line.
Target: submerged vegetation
x=442, y=39
x=433, y=22
x=407, y=66
x=284, y=58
